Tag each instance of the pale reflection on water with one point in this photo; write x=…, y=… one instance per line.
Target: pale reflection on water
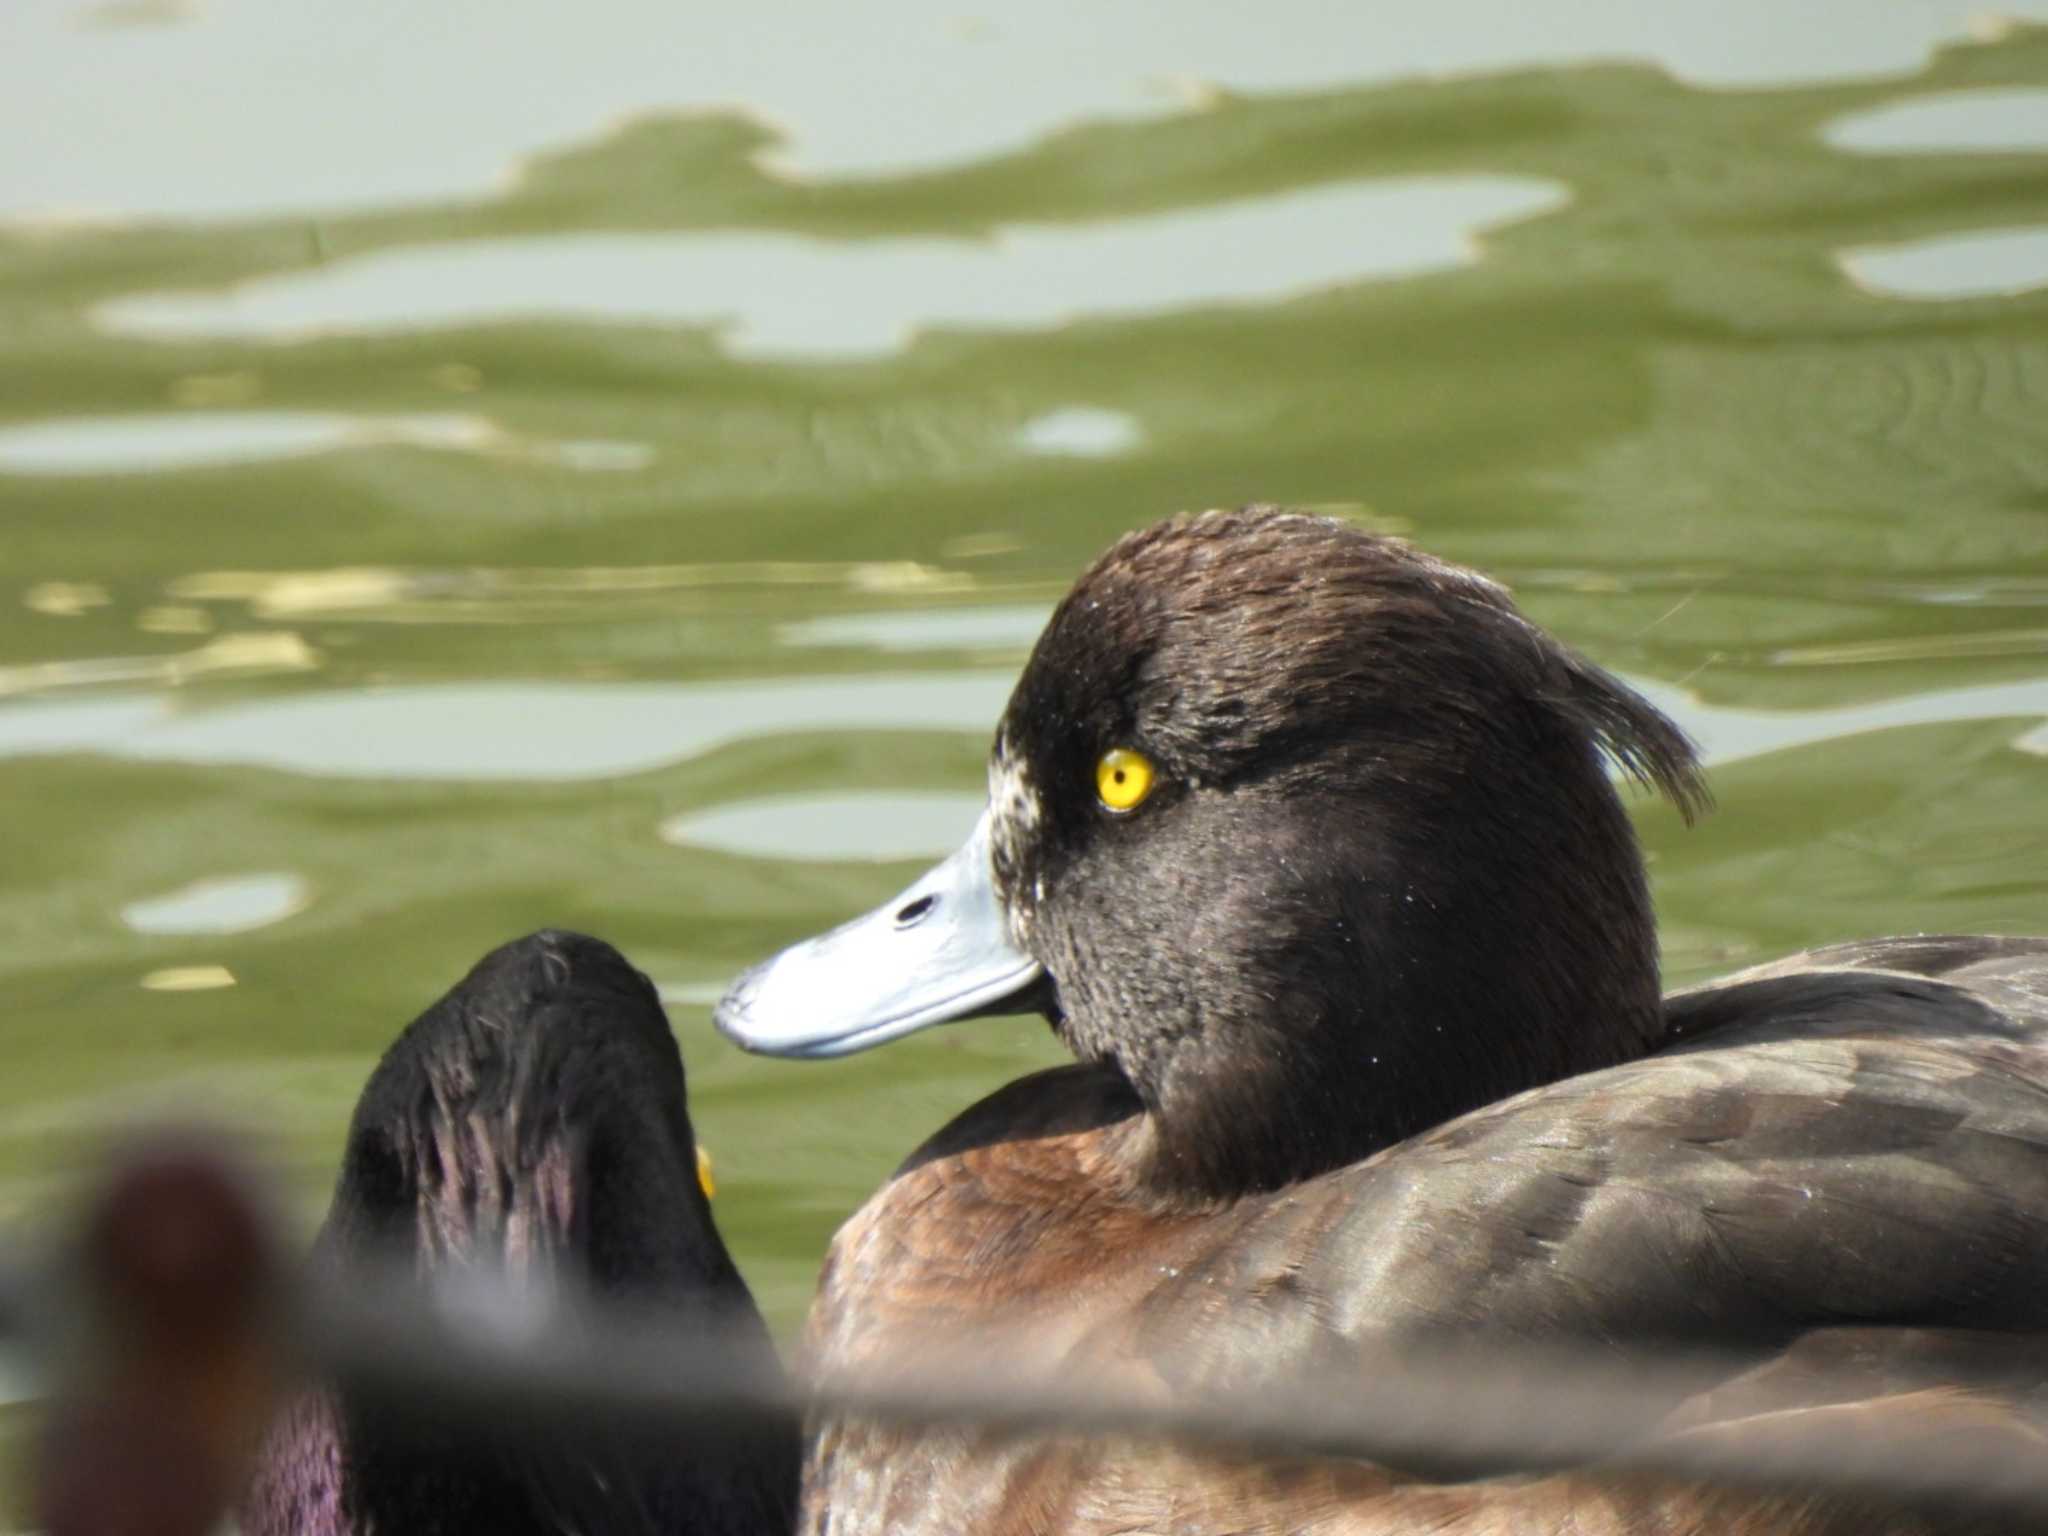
x=1949, y=122
x=1985, y=263
x=159, y=120
x=219, y=904
x=252, y=654
x=856, y=825
x=999, y=627
x=553, y=732
x=1080, y=431
x=154, y=444
x=794, y=296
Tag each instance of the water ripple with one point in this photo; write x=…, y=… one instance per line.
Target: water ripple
x=1981, y=264
x=793, y=296
x=1948, y=122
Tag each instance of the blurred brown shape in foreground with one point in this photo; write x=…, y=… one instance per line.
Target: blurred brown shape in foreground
x=166, y=1393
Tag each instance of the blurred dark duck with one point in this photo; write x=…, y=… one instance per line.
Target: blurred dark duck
x=532, y=1121
x=1305, y=843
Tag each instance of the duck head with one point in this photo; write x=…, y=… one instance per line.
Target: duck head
x=534, y=1123
x=529, y=1129
x=1307, y=833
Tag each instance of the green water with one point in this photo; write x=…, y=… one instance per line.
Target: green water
x=1660, y=408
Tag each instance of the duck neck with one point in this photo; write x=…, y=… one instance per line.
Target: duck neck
x=1508, y=953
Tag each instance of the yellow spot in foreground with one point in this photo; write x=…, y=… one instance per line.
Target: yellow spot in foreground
x=704, y=1179
x=190, y=978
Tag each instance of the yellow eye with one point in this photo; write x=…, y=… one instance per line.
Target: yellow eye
x=704, y=1180
x=1123, y=778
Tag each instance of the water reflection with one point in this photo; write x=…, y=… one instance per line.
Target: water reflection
x=485, y=594
x=1981, y=264
x=1003, y=628
x=777, y=295
x=1949, y=122
x=1080, y=431
x=223, y=904
x=150, y=444
x=188, y=978
x=233, y=116
x=502, y=731
x=863, y=825
x=263, y=653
